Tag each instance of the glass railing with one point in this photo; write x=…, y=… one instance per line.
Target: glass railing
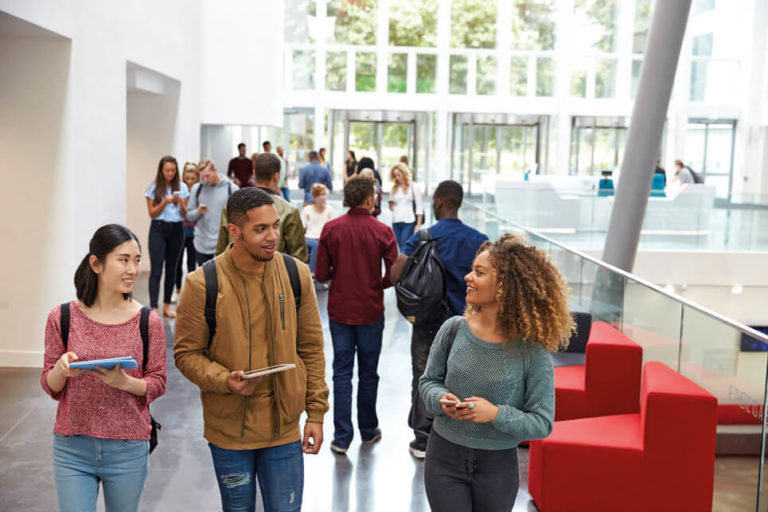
x=690, y=219
x=723, y=356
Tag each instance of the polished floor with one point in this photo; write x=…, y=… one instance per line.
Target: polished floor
x=381, y=477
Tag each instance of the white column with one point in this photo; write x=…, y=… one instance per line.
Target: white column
x=442, y=132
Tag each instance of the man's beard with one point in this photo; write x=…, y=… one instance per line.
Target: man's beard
x=255, y=256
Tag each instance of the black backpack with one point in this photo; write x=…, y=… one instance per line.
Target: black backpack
x=696, y=176
x=421, y=290
x=144, y=330
x=212, y=290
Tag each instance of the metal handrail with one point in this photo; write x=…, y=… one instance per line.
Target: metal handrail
x=701, y=309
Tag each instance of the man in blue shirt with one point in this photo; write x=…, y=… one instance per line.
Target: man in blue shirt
x=457, y=244
x=313, y=173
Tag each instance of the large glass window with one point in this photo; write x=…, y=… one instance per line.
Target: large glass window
x=303, y=70
x=701, y=47
x=473, y=24
x=296, y=24
x=355, y=21
x=413, y=23
x=365, y=71
x=605, y=78
x=597, y=144
x=533, y=25
x=642, y=24
x=518, y=76
x=486, y=76
x=336, y=71
x=458, y=74
x=545, y=76
x=426, y=73
x=598, y=25
x=397, y=75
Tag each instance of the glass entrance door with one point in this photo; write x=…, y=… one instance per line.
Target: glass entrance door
x=485, y=147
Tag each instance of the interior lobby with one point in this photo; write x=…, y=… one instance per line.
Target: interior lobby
x=532, y=106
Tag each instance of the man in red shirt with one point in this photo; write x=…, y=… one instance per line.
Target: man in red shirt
x=350, y=251
x=241, y=168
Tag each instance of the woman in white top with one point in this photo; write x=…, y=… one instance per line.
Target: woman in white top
x=405, y=203
x=314, y=216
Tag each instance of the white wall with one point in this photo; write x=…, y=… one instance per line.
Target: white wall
x=63, y=132
x=241, y=59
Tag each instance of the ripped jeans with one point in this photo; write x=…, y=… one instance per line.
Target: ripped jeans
x=280, y=472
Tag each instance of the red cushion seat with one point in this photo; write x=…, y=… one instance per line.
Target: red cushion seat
x=661, y=458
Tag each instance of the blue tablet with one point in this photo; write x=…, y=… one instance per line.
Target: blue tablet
x=126, y=363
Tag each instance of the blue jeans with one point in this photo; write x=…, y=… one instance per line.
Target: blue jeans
x=366, y=341
x=280, y=472
x=403, y=231
x=286, y=193
x=312, y=247
x=81, y=462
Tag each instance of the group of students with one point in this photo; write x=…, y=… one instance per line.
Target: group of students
x=482, y=382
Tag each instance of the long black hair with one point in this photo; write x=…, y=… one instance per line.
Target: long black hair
x=104, y=241
x=160, y=179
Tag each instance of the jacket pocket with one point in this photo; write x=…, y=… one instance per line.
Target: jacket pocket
x=223, y=406
x=293, y=392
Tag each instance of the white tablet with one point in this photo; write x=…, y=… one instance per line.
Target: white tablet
x=266, y=371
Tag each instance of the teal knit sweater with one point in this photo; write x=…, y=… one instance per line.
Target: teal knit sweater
x=515, y=376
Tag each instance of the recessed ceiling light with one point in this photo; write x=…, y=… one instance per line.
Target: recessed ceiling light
x=737, y=289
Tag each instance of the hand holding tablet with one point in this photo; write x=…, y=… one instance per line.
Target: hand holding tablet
x=266, y=371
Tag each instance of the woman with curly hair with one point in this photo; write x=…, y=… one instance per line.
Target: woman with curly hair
x=493, y=385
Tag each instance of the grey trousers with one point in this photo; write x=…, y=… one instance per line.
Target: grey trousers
x=461, y=479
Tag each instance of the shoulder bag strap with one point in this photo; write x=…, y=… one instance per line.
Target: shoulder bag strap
x=64, y=321
x=144, y=330
x=211, y=295
x=293, y=275
x=455, y=324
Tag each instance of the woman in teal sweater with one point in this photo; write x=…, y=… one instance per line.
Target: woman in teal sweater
x=493, y=387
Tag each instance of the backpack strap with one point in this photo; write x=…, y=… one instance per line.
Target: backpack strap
x=229, y=188
x=197, y=193
x=293, y=275
x=144, y=330
x=64, y=321
x=211, y=295
x=452, y=332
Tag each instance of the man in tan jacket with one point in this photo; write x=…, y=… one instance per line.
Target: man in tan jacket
x=252, y=426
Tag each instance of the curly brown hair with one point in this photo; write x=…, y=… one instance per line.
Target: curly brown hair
x=532, y=295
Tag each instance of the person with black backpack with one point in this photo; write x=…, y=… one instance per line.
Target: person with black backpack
x=430, y=288
x=248, y=309
x=103, y=429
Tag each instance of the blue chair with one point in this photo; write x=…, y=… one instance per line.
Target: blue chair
x=657, y=186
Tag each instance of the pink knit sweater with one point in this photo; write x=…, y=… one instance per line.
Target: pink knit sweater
x=87, y=406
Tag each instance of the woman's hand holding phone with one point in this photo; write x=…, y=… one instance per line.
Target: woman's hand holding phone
x=451, y=405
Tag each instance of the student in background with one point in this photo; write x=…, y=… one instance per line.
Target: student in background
x=350, y=165
x=240, y=168
x=405, y=203
x=351, y=251
x=314, y=217
x=368, y=173
x=102, y=425
x=457, y=244
x=167, y=207
x=190, y=176
x=494, y=386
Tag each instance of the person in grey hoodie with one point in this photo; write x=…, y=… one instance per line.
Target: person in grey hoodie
x=489, y=380
x=206, y=200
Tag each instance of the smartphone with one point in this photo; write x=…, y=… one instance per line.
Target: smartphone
x=177, y=193
x=448, y=401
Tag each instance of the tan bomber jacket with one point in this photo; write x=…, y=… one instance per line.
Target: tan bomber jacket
x=233, y=421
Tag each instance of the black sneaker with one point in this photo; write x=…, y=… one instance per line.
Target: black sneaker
x=376, y=437
x=338, y=449
x=417, y=449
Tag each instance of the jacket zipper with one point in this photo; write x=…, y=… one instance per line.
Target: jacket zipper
x=250, y=332
x=272, y=361
x=282, y=310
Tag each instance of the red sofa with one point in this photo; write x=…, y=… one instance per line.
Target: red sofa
x=608, y=382
x=661, y=458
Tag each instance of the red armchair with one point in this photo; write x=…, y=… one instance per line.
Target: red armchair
x=661, y=458
x=608, y=382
